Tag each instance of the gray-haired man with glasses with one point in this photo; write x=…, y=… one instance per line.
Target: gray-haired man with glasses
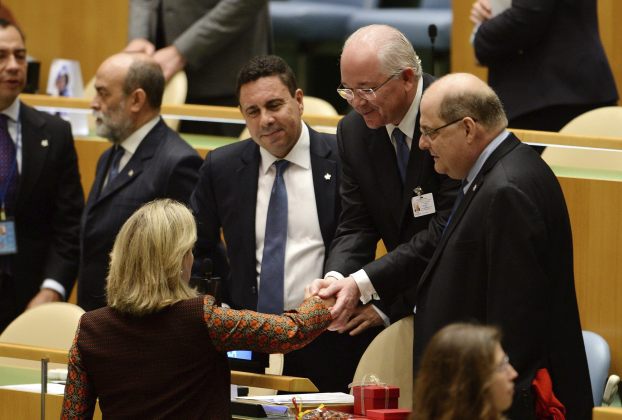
x=389, y=188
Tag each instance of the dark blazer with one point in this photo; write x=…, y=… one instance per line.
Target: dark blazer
x=376, y=206
x=48, y=207
x=541, y=53
x=225, y=198
x=164, y=166
x=506, y=260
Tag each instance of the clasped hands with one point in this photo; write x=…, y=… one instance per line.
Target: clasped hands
x=169, y=58
x=348, y=315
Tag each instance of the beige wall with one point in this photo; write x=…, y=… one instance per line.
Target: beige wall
x=84, y=30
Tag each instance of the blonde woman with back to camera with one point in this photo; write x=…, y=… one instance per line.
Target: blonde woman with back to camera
x=158, y=349
x=464, y=374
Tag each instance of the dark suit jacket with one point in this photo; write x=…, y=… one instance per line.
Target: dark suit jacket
x=164, y=166
x=541, y=53
x=48, y=206
x=225, y=198
x=506, y=260
x=376, y=206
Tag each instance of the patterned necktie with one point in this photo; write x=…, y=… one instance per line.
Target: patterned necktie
x=117, y=154
x=8, y=165
x=273, y=259
x=402, y=152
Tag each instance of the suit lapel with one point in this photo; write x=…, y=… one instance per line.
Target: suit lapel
x=134, y=167
x=35, y=146
x=324, y=172
x=504, y=148
x=247, y=175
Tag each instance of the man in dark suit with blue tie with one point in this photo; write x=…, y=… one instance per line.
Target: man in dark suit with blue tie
x=276, y=198
x=148, y=160
x=389, y=190
x=40, y=191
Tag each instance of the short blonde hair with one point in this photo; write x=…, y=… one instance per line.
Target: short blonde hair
x=146, y=259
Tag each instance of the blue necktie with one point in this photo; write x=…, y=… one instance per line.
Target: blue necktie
x=459, y=198
x=8, y=165
x=117, y=154
x=402, y=152
x=273, y=259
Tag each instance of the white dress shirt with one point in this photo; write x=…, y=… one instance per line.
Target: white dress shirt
x=304, y=251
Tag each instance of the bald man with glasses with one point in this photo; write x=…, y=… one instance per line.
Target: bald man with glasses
x=389, y=188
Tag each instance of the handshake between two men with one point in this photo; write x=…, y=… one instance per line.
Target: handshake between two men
x=349, y=315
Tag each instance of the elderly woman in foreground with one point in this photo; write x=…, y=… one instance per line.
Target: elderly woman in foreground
x=464, y=374
x=158, y=350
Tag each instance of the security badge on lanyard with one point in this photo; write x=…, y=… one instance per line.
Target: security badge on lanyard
x=423, y=204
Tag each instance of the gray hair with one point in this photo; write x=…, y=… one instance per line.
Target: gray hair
x=481, y=104
x=395, y=52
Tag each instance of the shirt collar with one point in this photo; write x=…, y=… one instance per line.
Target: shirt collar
x=12, y=111
x=131, y=143
x=299, y=155
x=483, y=157
x=407, y=125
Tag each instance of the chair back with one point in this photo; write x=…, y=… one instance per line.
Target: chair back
x=605, y=121
x=49, y=325
x=175, y=93
x=598, y=361
x=275, y=367
x=390, y=357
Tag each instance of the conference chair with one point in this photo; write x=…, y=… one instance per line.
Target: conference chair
x=603, y=122
x=598, y=361
x=313, y=106
x=49, y=325
x=175, y=93
x=389, y=358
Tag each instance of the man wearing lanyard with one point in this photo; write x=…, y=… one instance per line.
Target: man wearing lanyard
x=40, y=193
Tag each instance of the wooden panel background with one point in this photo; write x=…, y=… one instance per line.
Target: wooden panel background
x=83, y=30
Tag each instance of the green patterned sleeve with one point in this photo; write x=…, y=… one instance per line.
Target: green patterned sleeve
x=231, y=329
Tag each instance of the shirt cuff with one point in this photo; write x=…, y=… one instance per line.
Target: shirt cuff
x=54, y=285
x=334, y=274
x=365, y=287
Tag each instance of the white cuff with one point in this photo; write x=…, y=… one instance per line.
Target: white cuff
x=365, y=287
x=334, y=274
x=54, y=285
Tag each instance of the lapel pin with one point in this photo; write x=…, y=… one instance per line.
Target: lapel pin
x=131, y=172
x=327, y=176
x=474, y=187
x=44, y=143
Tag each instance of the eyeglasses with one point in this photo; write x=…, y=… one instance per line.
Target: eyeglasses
x=368, y=94
x=504, y=364
x=431, y=131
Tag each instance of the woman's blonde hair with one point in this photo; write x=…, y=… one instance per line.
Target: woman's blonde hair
x=146, y=260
